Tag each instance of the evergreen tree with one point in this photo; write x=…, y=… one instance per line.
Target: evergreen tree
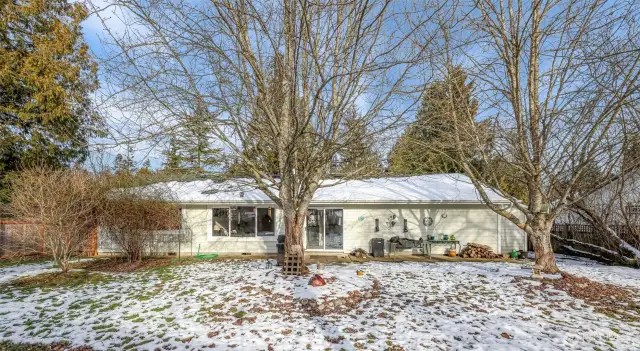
x=146, y=168
x=193, y=146
x=46, y=77
x=124, y=164
x=358, y=157
x=425, y=145
x=172, y=163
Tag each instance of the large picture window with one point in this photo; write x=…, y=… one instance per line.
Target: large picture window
x=266, y=222
x=243, y=221
x=220, y=221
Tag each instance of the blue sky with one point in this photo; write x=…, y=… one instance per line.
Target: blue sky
x=104, y=150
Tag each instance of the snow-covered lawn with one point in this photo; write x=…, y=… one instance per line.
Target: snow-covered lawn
x=242, y=305
x=12, y=272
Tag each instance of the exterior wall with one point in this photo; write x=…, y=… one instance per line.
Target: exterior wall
x=469, y=223
x=511, y=237
x=199, y=220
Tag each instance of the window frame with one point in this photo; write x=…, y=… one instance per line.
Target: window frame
x=255, y=236
x=324, y=229
x=273, y=219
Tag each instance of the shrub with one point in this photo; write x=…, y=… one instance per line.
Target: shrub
x=131, y=215
x=65, y=203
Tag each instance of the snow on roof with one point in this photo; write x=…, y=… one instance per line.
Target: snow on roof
x=433, y=188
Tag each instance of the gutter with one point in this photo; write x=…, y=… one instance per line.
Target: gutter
x=326, y=202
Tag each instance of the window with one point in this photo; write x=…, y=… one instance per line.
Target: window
x=333, y=230
x=633, y=209
x=243, y=221
x=266, y=220
x=220, y=221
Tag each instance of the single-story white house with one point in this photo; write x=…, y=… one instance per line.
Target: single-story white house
x=232, y=217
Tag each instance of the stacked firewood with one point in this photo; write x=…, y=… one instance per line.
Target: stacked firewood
x=473, y=250
x=359, y=253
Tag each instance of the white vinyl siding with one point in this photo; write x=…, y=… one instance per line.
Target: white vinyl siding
x=469, y=223
x=472, y=223
x=199, y=220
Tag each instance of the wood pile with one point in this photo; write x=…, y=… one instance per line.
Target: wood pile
x=473, y=250
x=359, y=253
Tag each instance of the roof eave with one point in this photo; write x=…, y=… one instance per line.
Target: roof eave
x=358, y=202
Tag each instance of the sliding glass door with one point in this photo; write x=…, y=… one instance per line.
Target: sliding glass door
x=315, y=229
x=333, y=229
x=325, y=229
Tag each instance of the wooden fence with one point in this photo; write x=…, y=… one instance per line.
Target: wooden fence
x=586, y=236
x=590, y=229
x=13, y=243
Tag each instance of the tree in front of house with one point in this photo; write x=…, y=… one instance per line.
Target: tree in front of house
x=64, y=203
x=297, y=67
x=558, y=84
x=434, y=125
x=46, y=77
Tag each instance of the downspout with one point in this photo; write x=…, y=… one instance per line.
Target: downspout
x=499, y=236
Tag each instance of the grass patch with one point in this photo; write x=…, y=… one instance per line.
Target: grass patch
x=58, y=280
x=159, y=309
x=240, y=314
x=120, y=264
x=11, y=262
x=10, y=346
x=110, y=307
x=131, y=316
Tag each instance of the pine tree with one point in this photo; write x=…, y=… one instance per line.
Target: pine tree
x=172, y=162
x=146, y=168
x=193, y=145
x=124, y=164
x=358, y=157
x=414, y=152
x=46, y=77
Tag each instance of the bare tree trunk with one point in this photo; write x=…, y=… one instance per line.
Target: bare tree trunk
x=540, y=233
x=293, y=228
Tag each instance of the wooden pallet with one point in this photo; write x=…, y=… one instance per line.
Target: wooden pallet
x=292, y=264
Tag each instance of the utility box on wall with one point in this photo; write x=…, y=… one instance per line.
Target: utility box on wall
x=377, y=247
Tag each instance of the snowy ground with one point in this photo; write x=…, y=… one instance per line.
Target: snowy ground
x=244, y=306
x=12, y=272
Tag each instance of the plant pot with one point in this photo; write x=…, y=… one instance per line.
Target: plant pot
x=452, y=253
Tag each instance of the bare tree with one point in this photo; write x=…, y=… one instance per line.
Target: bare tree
x=64, y=202
x=273, y=81
x=557, y=82
x=614, y=212
x=131, y=214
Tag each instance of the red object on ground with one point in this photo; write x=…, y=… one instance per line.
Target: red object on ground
x=317, y=280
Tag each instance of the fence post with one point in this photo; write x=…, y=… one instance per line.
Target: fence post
x=3, y=234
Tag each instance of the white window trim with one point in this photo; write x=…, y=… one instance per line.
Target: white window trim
x=324, y=228
x=228, y=237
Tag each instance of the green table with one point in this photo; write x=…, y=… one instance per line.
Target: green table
x=427, y=245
